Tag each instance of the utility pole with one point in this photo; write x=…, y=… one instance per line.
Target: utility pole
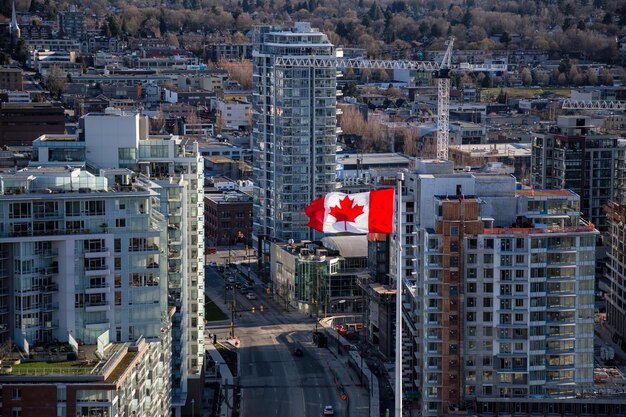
x=232, y=314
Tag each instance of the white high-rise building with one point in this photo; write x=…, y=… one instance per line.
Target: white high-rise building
x=294, y=129
x=119, y=142
x=499, y=309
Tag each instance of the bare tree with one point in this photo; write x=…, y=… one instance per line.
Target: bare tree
x=240, y=71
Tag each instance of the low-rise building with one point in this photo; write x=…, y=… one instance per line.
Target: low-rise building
x=22, y=123
x=320, y=278
x=11, y=78
x=515, y=155
x=228, y=218
x=108, y=379
x=233, y=114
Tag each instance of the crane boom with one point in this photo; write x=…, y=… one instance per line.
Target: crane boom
x=440, y=71
x=570, y=104
x=355, y=63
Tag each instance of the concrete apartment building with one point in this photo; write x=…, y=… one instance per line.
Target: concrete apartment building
x=294, y=132
x=233, y=114
x=72, y=23
x=120, y=141
x=572, y=155
x=81, y=266
x=500, y=306
x=616, y=269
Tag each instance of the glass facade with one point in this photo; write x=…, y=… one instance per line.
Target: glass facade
x=294, y=131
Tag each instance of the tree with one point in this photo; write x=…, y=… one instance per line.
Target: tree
x=375, y=12
x=56, y=81
x=20, y=52
x=505, y=38
x=605, y=77
x=114, y=27
x=240, y=71
x=526, y=76
x=157, y=123
x=591, y=78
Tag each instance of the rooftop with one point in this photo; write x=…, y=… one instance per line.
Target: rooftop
x=374, y=158
x=347, y=246
x=494, y=149
x=545, y=193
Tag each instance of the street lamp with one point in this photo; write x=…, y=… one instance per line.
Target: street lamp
x=193, y=407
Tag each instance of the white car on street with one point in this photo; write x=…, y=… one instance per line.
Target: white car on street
x=251, y=296
x=329, y=411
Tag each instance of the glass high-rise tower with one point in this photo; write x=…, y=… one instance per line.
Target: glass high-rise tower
x=294, y=133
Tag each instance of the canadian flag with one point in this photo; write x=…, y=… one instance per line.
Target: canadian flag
x=370, y=212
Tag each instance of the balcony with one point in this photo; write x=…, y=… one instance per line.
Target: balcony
x=97, y=271
x=97, y=289
x=92, y=307
x=97, y=253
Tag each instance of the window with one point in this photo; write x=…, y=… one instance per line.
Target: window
x=16, y=412
x=486, y=302
x=19, y=210
x=487, y=317
x=61, y=393
x=488, y=287
x=120, y=222
x=471, y=287
x=127, y=154
x=17, y=394
x=488, y=258
x=519, y=317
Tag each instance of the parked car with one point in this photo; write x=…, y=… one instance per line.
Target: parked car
x=251, y=296
x=329, y=411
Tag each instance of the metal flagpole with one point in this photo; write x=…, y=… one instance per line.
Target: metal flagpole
x=398, y=373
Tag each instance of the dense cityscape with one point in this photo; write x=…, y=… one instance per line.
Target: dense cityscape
x=192, y=197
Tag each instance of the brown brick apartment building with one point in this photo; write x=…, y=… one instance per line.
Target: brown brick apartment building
x=22, y=123
x=11, y=78
x=228, y=218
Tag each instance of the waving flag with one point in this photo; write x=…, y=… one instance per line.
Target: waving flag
x=370, y=212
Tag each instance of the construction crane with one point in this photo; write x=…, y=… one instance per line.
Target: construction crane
x=569, y=104
x=443, y=102
x=440, y=71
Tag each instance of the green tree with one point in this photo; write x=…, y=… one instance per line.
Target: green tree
x=114, y=26
x=20, y=52
x=375, y=12
x=505, y=38
x=502, y=97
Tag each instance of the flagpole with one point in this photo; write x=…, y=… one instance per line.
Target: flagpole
x=398, y=373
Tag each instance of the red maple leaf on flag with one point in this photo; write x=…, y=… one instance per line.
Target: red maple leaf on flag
x=346, y=212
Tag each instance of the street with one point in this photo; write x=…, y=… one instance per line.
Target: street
x=272, y=377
